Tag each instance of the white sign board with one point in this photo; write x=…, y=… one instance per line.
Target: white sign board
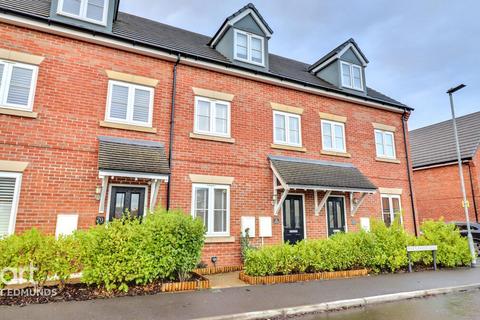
x=66, y=224
x=265, y=226
x=248, y=223
x=421, y=248
x=365, y=224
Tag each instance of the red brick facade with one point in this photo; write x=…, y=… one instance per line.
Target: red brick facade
x=438, y=193
x=61, y=144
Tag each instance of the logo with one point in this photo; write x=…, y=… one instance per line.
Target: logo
x=16, y=276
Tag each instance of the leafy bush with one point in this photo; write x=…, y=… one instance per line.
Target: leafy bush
x=164, y=246
x=452, y=250
x=381, y=249
x=49, y=257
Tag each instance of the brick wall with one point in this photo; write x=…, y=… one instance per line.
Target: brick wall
x=438, y=193
x=61, y=144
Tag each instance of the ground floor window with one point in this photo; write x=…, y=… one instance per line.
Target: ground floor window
x=9, y=194
x=391, y=208
x=211, y=204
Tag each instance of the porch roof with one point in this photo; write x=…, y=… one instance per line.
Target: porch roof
x=127, y=155
x=309, y=174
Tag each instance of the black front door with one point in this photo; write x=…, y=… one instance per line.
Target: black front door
x=293, y=219
x=125, y=199
x=335, y=215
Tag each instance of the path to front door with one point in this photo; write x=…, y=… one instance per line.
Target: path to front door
x=127, y=198
x=293, y=224
x=335, y=215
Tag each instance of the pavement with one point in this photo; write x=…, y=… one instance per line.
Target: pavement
x=233, y=301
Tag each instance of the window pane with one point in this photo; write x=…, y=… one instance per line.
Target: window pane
x=280, y=134
x=346, y=77
x=296, y=210
x=220, y=210
x=379, y=143
x=221, y=118
x=327, y=135
x=141, y=105
x=203, y=115
x=288, y=218
x=71, y=6
x=134, y=204
x=396, y=205
x=241, y=46
x=357, y=82
x=389, y=145
x=257, y=50
x=7, y=190
x=2, y=67
x=119, y=204
x=119, y=102
x=294, y=133
x=95, y=9
x=20, y=82
x=201, y=205
x=387, y=220
x=339, y=145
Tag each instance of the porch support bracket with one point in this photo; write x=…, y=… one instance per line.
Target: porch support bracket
x=354, y=207
x=103, y=194
x=153, y=193
x=278, y=179
x=319, y=206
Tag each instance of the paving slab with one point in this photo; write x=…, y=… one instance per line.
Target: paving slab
x=216, y=302
x=226, y=280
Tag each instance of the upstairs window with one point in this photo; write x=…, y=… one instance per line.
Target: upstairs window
x=212, y=117
x=287, y=129
x=249, y=48
x=94, y=11
x=385, y=144
x=130, y=104
x=351, y=76
x=333, y=136
x=17, y=85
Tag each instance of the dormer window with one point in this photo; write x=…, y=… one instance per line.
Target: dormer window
x=351, y=76
x=249, y=48
x=94, y=11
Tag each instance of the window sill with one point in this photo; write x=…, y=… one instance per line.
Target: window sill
x=387, y=160
x=210, y=239
x=212, y=138
x=18, y=113
x=287, y=147
x=130, y=127
x=336, y=153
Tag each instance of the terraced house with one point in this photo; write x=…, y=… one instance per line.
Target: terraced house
x=102, y=111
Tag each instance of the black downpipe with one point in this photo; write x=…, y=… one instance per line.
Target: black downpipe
x=473, y=192
x=172, y=127
x=404, y=120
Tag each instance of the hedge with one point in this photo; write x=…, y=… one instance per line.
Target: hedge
x=381, y=249
x=163, y=246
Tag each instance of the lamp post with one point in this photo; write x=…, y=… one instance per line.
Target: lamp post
x=460, y=170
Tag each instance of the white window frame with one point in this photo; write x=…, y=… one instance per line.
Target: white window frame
x=83, y=12
x=390, y=203
x=211, y=206
x=384, y=133
x=16, y=197
x=287, y=129
x=333, y=135
x=5, y=85
x=351, y=66
x=131, y=99
x=212, y=131
x=249, y=47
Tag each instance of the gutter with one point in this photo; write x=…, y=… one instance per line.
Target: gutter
x=172, y=127
x=190, y=59
x=410, y=185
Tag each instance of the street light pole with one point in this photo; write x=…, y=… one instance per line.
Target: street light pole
x=460, y=170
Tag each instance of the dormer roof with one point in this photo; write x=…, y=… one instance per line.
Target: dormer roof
x=249, y=9
x=337, y=53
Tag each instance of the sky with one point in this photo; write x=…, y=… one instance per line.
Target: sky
x=417, y=49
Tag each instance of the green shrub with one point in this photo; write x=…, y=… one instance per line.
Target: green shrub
x=452, y=250
x=48, y=257
x=164, y=246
